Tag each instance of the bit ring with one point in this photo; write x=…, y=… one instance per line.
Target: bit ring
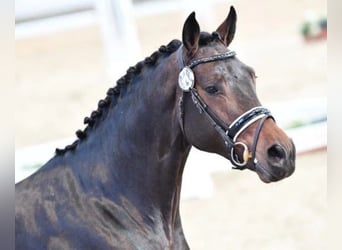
x=246, y=155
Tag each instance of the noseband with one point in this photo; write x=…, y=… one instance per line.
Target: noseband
x=229, y=134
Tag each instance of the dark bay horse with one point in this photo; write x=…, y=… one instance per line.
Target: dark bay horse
x=118, y=186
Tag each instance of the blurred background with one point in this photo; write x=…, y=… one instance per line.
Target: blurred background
x=68, y=53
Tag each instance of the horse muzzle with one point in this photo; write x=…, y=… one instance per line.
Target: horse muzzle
x=279, y=163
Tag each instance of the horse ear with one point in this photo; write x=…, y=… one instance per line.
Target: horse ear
x=227, y=28
x=191, y=33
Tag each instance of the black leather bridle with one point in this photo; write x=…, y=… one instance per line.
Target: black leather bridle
x=229, y=134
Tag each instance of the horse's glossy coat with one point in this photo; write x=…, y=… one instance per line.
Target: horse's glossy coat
x=118, y=187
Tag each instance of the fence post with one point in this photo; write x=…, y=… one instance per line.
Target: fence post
x=119, y=35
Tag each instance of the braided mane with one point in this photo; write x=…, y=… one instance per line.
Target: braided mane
x=115, y=92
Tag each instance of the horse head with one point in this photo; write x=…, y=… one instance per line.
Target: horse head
x=219, y=108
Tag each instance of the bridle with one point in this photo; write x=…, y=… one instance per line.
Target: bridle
x=229, y=133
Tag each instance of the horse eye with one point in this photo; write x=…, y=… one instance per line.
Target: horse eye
x=211, y=90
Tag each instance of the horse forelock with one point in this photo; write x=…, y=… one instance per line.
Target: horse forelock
x=207, y=38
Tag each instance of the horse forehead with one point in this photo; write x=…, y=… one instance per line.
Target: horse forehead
x=211, y=50
x=232, y=63
x=226, y=68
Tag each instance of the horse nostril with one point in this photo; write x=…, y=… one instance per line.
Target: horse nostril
x=276, y=155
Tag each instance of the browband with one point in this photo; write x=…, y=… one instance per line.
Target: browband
x=198, y=61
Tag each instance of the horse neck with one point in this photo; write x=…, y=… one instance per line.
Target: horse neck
x=139, y=151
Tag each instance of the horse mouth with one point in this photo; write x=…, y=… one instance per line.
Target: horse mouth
x=273, y=174
x=276, y=168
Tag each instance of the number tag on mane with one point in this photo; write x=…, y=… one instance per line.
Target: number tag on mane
x=186, y=79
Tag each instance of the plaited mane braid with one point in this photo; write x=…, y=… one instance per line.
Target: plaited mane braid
x=114, y=92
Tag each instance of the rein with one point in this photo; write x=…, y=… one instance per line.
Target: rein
x=229, y=134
